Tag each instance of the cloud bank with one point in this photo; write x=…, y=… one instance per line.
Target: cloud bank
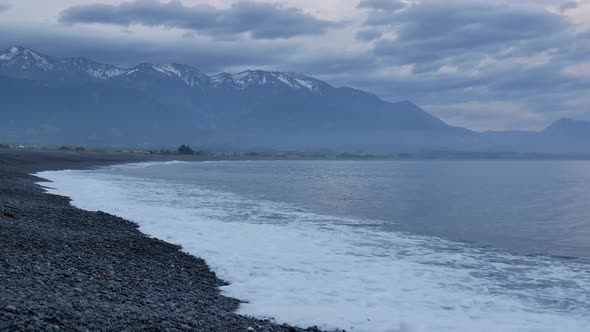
x=260, y=20
x=468, y=61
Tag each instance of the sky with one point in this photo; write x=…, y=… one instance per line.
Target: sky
x=484, y=65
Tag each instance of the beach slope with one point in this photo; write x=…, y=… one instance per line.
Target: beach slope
x=63, y=268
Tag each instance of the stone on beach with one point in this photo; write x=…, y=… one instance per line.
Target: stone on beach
x=62, y=268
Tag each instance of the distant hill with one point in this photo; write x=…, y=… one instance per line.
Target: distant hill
x=568, y=129
x=45, y=100
x=565, y=136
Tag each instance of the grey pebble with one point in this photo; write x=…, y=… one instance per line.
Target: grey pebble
x=10, y=308
x=62, y=268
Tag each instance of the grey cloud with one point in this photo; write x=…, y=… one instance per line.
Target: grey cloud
x=368, y=35
x=437, y=31
x=545, y=101
x=537, y=81
x=386, y=5
x=567, y=6
x=188, y=35
x=126, y=50
x=431, y=35
x=4, y=7
x=260, y=20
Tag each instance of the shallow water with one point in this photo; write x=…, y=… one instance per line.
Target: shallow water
x=372, y=245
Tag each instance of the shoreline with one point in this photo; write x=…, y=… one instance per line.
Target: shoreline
x=64, y=268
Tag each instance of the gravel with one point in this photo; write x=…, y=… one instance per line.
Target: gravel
x=66, y=269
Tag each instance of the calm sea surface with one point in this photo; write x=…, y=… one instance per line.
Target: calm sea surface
x=372, y=245
x=532, y=207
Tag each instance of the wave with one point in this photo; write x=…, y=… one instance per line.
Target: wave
x=310, y=269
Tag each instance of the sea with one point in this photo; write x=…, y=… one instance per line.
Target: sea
x=412, y=246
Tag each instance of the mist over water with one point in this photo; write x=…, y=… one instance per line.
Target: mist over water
x=372, y=245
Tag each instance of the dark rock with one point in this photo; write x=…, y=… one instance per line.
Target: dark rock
x=9, y=214
x=10, y=308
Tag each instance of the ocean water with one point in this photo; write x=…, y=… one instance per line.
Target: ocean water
x=371, y=245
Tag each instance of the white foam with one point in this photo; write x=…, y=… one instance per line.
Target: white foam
x=148, y=164
x=308, y=269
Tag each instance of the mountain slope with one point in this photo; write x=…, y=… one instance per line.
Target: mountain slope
x=62, y=100
x=22, y=62
x=84, y=68
x=45, y=100
x=36, y=112
x=568, y=129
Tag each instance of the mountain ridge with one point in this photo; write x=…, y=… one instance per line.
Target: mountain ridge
x=252, y=108
x=188, y=74
x=569, y=127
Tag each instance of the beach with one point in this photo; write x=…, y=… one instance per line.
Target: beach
x=63, y=268
x=273, y=239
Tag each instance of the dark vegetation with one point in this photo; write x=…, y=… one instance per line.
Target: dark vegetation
x=185, y=150
x=188, y=152
x=71, y=148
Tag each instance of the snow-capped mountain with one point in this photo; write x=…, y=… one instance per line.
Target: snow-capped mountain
x=26, y=63
x=27, y=59
x=189, y=75
x=91, y=68
x=251, y=78
x=23, y=62
x=184, y=74
x=46, y=100
x=77, y=99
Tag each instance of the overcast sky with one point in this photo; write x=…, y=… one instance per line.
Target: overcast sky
x=484, y=65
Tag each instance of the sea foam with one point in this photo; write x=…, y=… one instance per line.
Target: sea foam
x=308, y=269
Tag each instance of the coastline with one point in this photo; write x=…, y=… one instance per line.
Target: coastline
x=68, y=269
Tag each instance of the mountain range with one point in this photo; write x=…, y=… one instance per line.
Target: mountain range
x=77, y=101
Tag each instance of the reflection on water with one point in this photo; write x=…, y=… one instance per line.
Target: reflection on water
x=532, y=207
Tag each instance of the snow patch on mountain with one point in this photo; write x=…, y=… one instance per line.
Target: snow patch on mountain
x=309, y=83
x=251, y=78
x=10, y=53
x=167, y=70
x=306, y=84
x=93, y=69
x=287, y=81
x=106, y=74
x=189, y=75
x=22, y=59
x=27, y=59
x=132, y=71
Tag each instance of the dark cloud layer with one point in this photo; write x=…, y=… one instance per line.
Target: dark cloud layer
x=369, y=34
x=260, y=20
x=385, y=5
x=567, y=6
x=433, y=34
x=4, y=7
x=126, y=51
x=516, y=55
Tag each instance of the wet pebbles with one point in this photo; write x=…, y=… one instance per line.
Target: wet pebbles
x=62, y=268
